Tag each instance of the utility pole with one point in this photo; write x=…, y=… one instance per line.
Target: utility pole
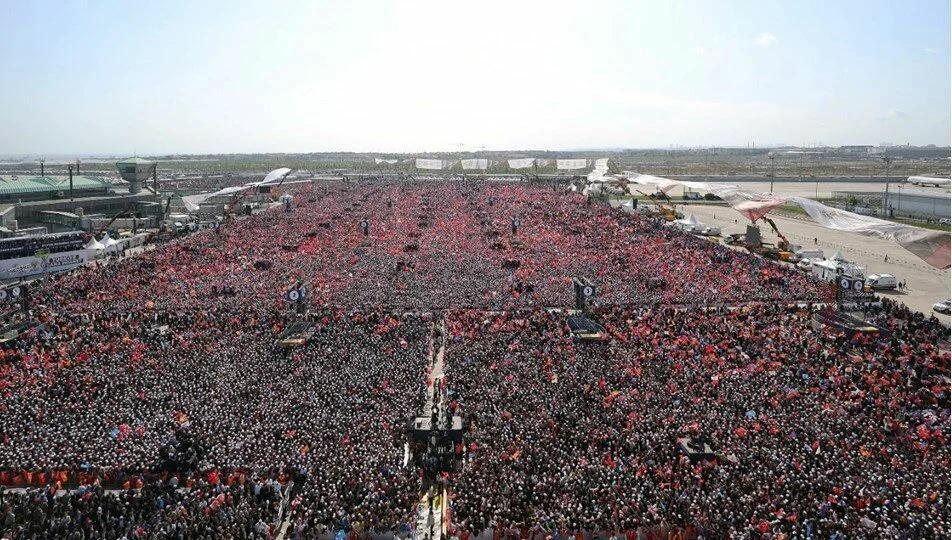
x=886, y=160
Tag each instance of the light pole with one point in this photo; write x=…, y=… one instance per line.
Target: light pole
x=886, y=160
x=773, y=171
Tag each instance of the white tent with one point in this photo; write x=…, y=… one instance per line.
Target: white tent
x=689, y=224
x=95, y=244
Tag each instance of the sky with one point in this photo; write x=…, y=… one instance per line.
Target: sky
x=413, y=76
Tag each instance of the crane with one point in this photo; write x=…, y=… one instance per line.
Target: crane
x=782, y=241
x=669, y=213
x=124, y=213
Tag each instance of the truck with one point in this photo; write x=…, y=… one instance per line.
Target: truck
x=831, y=269
x=881, y=282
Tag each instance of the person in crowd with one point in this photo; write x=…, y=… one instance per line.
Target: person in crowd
x=150, y=398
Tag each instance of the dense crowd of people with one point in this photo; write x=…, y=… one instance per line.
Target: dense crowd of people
x=242, y=509
x=149, y=395
x=819, y=432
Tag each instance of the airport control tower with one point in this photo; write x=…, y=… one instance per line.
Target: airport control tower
x=136, y=171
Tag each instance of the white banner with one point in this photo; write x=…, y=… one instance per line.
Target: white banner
x=55, y=262
x=475, y=164
x=429, y=164
x=522, y=163
x=570, y=164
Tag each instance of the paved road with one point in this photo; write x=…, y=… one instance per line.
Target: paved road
x=926, y=285
x=812, y=189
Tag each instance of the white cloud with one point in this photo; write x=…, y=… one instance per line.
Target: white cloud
x=765, y=39
x=700, y=51
x=931, y=50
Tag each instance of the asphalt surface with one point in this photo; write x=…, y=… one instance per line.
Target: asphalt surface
x=925, y=285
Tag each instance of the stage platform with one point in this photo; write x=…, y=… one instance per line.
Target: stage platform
x=296, y=335
x=585, y=329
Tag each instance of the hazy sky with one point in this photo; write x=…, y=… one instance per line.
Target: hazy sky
x=196, y=76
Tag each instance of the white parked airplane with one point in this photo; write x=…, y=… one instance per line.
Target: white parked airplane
x=928, y=181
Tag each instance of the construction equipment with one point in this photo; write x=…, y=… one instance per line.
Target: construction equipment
x=667, y=211
x=751, y=241
x=230, y=207
x=124, y=213
x=782, y=241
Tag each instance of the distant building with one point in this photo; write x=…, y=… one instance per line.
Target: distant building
x=37, y=204
x=38, y=188
x=902, y=203
x=856, y=149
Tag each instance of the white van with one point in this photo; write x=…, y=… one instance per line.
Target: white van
x=881, y=281
x=805, y=264
x=810, y=254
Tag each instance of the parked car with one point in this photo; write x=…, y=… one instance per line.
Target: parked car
x=944, y=306
x=881, y=282
x=805, y=264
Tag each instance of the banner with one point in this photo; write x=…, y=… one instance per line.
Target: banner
x=475, y=164
x=429, y=164
x=570, y=164
x=522, y=163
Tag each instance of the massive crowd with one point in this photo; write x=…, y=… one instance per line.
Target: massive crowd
x=149, y=397
x=821, y=433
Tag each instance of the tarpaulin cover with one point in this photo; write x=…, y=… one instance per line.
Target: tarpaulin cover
x=275, y=176
x=192, y=202
x=931, y=246
x=95, y=244
x=600, y=172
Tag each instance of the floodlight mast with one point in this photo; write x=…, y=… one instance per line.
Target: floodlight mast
x=886, y=161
